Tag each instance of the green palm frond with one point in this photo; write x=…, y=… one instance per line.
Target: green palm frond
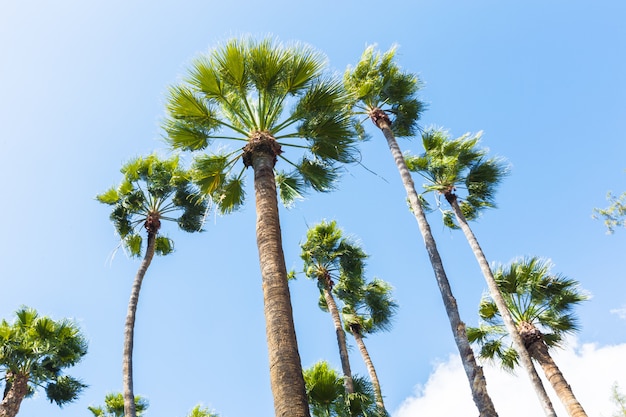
x=133, y=244
x=378, y=82
x=290, y=188
x=163, y=245
x=231, y=195
x=64, y=390
x=317, y=174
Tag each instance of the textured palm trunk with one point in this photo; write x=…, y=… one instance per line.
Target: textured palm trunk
x=129, y=329
x=474, y=372
x=538, y=350
x=10, y=405
x=285, y=366
x=371, y=370
x=496, y=295
x=341, y=340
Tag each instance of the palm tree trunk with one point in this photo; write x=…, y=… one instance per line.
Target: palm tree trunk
x=10, y=405
x=539, y=351
x=285, y=367
x=371, y=370
x=129, y=329
x=475, y=376
x=341, y=340
x=502, y=308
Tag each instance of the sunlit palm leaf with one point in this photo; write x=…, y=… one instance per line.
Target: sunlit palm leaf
x=290, y=188
x=318, y=175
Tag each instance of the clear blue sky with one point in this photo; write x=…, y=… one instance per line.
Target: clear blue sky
x=82, y=87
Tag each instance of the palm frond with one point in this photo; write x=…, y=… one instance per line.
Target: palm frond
x=317, y=174
x=290, y=188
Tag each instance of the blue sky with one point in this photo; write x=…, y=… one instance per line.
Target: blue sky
x=82, y=90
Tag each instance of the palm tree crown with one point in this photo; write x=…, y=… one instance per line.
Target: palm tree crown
x=381, y=90
x=34, y=351
x=540, y=302
x=153, y=190
x=459, y=170
x=241, y=91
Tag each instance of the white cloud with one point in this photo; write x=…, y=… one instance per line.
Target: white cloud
x=589, y=369
x=621, y=312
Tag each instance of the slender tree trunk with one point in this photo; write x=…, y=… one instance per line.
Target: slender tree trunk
x=129, y=329
x=475, y=376
x=371, y=370
x=502, y=308
x=341, y=340
x=10, y=405
x=539, y=351
x=285, y=366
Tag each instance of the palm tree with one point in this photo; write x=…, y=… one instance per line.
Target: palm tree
x=240, y=91
x=34, y=351
x=368, y=309
x=541, y=305
x=451, y=166
x=383, y=92
x=328, y=397
x=199, y=411
x=330, y=258
x=114, y=406
x=615, y=214
x=152, y=190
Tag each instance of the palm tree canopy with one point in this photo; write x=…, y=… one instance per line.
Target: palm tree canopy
x=199, y=411
x=534, y=296
x=114, y=406
x=329, y=257
x=458, y=168
x=153, y=190
x=328, y=398
x=42, y=348
x=378, y=83
x=268, y=96
x=370, y=308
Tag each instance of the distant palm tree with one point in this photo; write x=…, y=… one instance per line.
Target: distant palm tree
x=330, y=258
x=451, y=166
x=368, y=309
x=199, y=411
x=241, y=91
x=541, y=305
x=152, y=190
x=34, y=351
x=328, y=397
x=387, y=96
x=114, y=406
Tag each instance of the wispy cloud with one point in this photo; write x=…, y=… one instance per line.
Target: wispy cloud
x=621, y=312
x=591, y=371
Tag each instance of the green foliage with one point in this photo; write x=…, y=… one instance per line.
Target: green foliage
x=199, y=411
x=455, y=166
x=328, y=398
x=153, y=188
x=534, y=296
x=41, y=349
x=615, y=214
x=377, y=82
x=369, y=307
x=114, y=406
x=241, y=90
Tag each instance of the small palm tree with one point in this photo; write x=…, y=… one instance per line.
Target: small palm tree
x=114, y=406
x=459, y=170
x=541, y=305
x=387, y=95
x=153, y=190
x=199, y=411
x=266, y=97
x=328, y=398
x=330, y=258
x=34, y=351
x=368, y=309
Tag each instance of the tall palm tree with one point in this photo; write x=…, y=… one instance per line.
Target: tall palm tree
x=34, y=351
x=451, y=167
x=368, y=309
x=153, y=190
x=330, y=258
x=241, y=91
x=541, y=305
x=387, y=96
